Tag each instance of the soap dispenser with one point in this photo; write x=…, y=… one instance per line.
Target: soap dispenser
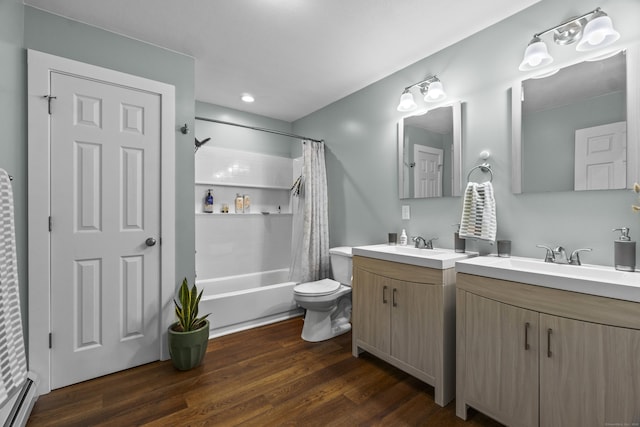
x=624, y=251
x=403, y=238
x=459, y=244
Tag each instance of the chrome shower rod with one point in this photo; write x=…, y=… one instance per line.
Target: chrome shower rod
x=277, y=132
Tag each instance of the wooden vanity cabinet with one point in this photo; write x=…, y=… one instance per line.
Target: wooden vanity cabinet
x=405, y=315
x=529, y=355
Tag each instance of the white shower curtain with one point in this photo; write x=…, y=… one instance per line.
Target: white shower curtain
x=310, y=249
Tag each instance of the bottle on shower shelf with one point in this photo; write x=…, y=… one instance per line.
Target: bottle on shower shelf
x=239, y=203
x=246, y=204
x=208, y=202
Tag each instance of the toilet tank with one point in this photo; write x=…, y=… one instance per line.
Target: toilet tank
x=341, y=265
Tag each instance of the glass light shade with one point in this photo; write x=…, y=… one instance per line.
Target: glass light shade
x=535, y=56
x=435, y=92
x=597, y=33
x=406, y=102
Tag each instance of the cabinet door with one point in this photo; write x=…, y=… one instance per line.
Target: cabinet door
x=622, y=376
x=501, y=360
x=591, y=377
x=415, y=321
x=572, y=372
x=371, y=304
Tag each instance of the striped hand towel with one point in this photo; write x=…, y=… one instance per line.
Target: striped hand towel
x=478, y=212
x=13, y=362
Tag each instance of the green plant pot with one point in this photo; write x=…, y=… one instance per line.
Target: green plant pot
x=187, y=349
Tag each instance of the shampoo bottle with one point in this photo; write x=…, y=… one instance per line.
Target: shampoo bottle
x=624, y=257
x=247, y=204
x=208, y=202
x=403, y=238
x=239, y=203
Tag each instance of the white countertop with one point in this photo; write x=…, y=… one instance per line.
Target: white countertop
x=586, y=279
x=437, y=258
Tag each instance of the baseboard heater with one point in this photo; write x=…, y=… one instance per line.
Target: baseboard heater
x=17, y=409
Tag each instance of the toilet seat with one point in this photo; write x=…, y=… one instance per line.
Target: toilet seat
x=317, y=288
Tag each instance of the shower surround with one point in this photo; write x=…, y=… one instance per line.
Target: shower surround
x=243, y=259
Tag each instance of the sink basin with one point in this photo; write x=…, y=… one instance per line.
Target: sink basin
x=586, y=278
x=438, y=258
x=410, y=250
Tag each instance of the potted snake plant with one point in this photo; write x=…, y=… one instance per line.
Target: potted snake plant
x=189, y=336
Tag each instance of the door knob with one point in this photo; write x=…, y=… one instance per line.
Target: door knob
x=150, y=241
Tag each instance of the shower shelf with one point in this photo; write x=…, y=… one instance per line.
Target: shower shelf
x=271, y=215
x=235, y=184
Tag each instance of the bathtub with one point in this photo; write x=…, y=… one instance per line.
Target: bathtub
x=246, y=301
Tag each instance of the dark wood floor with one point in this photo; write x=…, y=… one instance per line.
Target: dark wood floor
x=266, y=376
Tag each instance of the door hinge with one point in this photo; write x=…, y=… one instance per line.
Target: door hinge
x=49, y=98
x=50, y=224
x=50, y=340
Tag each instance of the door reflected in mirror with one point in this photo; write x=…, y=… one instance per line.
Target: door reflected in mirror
x=570, y=128
x=429, y=153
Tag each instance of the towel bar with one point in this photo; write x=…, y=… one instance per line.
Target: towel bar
x=485, y=167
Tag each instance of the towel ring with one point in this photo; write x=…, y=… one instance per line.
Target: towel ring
x=485, y=167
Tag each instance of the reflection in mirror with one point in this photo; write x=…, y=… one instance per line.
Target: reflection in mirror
x=429, y=153
x=570, y=129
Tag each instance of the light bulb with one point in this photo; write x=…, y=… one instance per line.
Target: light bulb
x=536, y=55
x=406, y=102
x=435, y=92
x=597, y=33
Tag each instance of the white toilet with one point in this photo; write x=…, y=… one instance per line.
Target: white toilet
x=327, y=301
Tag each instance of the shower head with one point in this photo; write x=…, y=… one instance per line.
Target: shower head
x=200, y=143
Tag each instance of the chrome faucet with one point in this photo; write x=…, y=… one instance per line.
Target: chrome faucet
x=559, y=255
x=426, y=244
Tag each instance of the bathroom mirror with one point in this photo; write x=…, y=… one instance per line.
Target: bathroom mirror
x=429, y=153
x=577, y=129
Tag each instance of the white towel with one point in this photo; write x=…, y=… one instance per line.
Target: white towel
x=13, y=362
x=478, y=212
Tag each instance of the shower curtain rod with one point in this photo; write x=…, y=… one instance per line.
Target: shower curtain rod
x=277, y=132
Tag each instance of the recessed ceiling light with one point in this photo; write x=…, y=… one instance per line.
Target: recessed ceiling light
x=247, y=98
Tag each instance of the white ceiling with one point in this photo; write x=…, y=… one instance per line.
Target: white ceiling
x=293, y=56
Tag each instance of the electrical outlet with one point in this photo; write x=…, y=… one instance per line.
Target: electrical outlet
x=406, y=212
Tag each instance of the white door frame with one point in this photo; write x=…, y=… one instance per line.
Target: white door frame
x=40, y=66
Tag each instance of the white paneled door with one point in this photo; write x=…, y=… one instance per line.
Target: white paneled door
x=105, y=220
x=601, y=157
x=428, y=172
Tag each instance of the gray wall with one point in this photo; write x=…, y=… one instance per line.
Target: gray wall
x=360, y=133
x=13, y=122
x=239, y=138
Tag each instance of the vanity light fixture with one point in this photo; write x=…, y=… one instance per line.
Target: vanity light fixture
x=247, y=98
x=431, y=88
x=593, y=30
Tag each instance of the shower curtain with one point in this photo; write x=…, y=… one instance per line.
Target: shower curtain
x=310, y=246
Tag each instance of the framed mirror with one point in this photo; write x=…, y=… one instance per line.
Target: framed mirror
x=430, y=153
x=577, y=129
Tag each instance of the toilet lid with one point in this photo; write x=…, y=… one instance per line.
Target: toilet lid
x=319, y=287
